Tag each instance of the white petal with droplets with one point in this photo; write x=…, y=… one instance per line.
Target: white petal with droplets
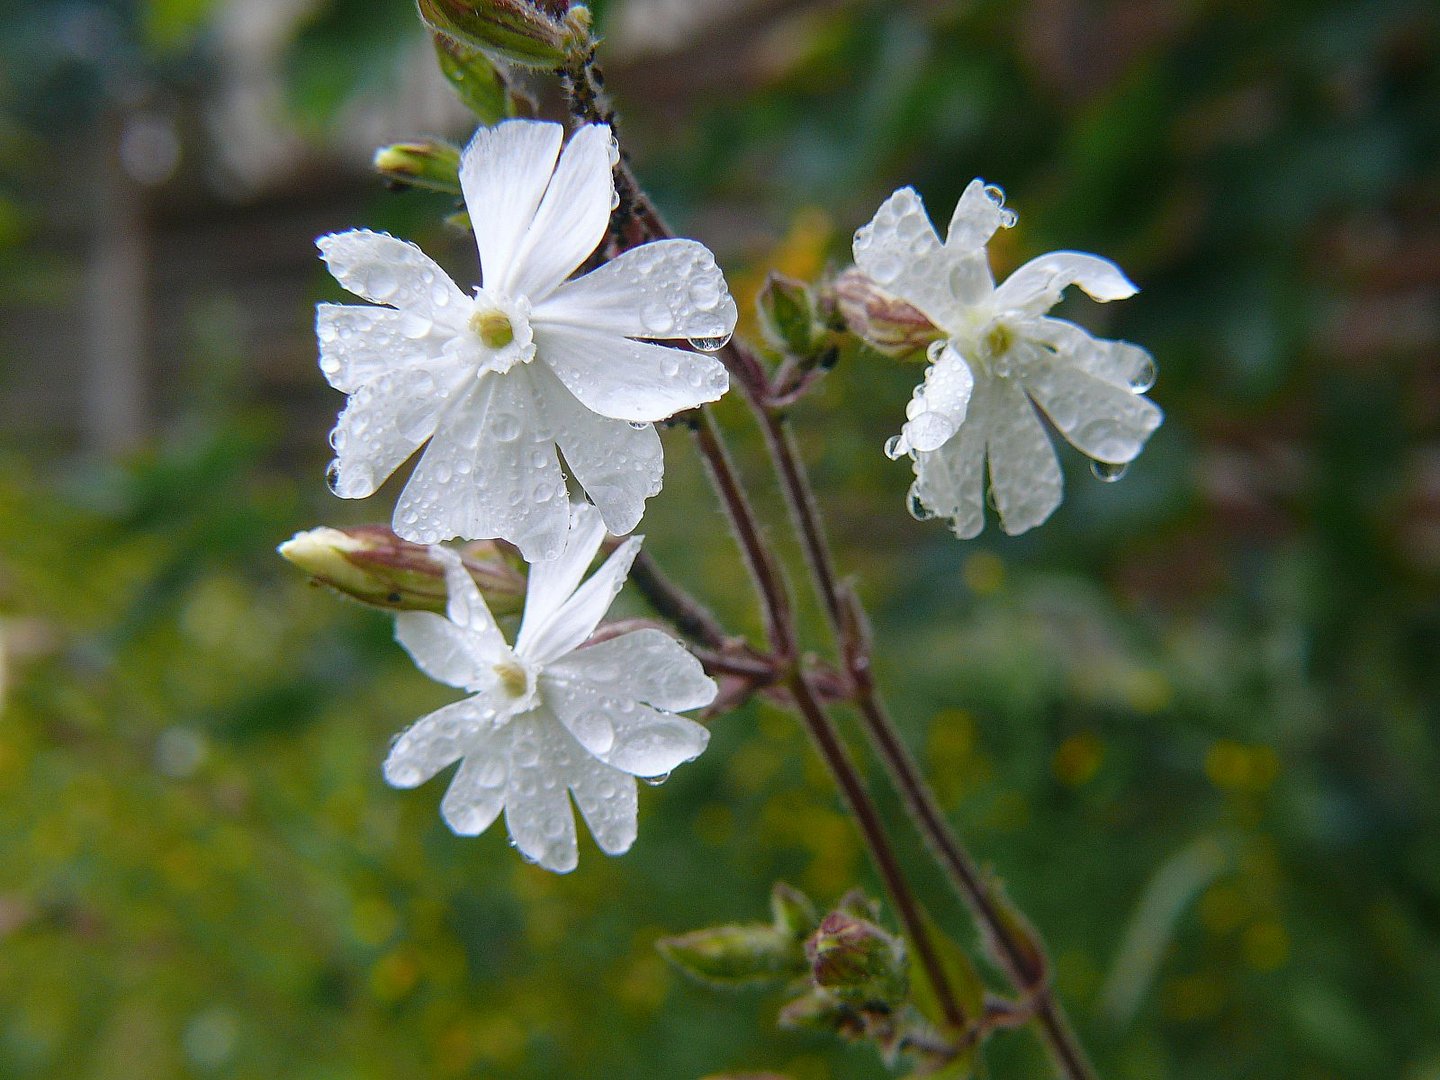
x=1036, y=286
x=938, y=406
x=385, y=270
x=445, y=652
x=976, y=219
x=553, y=583
x=361, y=343
x=438, y=740
x=503, y=174
x=623, y=732
x=1107, y=422
x=668, y=289
x=648, y=664
x=950, y=481
x=1024, y=472
x=537, y=805
x=477, y=793
x=609, y=803
x=576, y=619
x=628, y=380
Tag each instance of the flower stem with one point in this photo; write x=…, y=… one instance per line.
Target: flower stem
x=1014, y=945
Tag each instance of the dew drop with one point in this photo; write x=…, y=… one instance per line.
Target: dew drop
x=995, y=193
x=505, y=427
x=892, y=448
x=1108, y=472
x=710, y=344
x=594, y=731
x=918, y=510
x=492, y=774
x=656, y=318
x=656, y=781
x=1144, y=377
x=639, y=425
x=935, y=349
x=1008, y=218
x=614, y=199
x=705, y=293
x=332, y=477
x=381, y=283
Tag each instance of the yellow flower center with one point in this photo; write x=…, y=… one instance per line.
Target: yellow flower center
x=512, y=678
x=493, y=328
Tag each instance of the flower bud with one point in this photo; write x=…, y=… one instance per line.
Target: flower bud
x=857, y=961
x=794, y=913
x=819, y=1010
x=434, y=165
x=515, y=30
x=886, y=323
x=477, y=82
x=371, y=564
x=733, y=956
x=787, y=315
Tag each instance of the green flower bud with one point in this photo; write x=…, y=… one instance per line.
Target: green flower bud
x=857, y=961
x=371, y=564
x=787, y=315
x=735, y=956
x=476, y=81
x=886, y=323
x=515, y=30
x=794, y=913
x=433, y=165
x=819, y=1010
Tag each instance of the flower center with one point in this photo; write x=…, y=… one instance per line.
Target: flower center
x=999, y=340
x=493, y=328
x=514, y=679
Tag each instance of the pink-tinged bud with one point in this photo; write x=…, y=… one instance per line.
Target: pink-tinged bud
x=371, y=564
x=884, y=322
x=520, y=31
x=430, y=164
x=857, y=961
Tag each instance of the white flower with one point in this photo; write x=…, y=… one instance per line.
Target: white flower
x=549, y=716
x=496, y=381
x=1000, y=353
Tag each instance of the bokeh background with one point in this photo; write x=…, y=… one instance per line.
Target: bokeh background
x=1192, y=721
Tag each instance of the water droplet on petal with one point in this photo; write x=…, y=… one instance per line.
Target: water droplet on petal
x=639, y=425
x=893, y=447
x=1108, y=471
x=710, y=344
x=935, y=348
x=656, y=781
x=1008, y=218
x=918, y=510
x=505, y=427
x=332, y=477
x=381, y=283
x=1144, y=376
x=594, y=731
x=995, y=193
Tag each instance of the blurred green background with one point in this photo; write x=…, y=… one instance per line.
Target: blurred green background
x=1194, y=721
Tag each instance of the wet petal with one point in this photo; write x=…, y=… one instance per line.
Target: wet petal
x=385, y=421
x=1036, y=286
x=950, y=481
x=618, y=464
x=537, y=805
x=552, y=583
x=503, y=173
x=976, y=219
x=628, y=380
x=667, y=289
x=491, y=470
x=1107, y=422
x=438, y=740
x=360, y=343
x=384, y=270
x=647, y=665
x=576, y=619
x=1024, y=473
x=939, y=406
x=622, y=732
x=1117, y=362
x=572, y=217
x=608, y=801
x=477, y=794
x=445, y=652
x=900, y=252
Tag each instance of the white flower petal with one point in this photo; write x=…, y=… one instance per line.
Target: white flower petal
x=609, y=803
x=552, y=583
x=1036, y=286
x=477, y=794
x=899, y=251
x=444, y=651
x=651, y=743
x=667, y=289
x=1107, y=422
x=950, y=481
x=577, y=618
x=628, y=380
x=939, y=406
x=386, y=420
x=438, y=740
x=572, y=217
x=1024, y=473
x=466, y=608
x=622, y=732
x=503, y=173
x=976, y=219
x=618, y=464
x=491, y=470
x=537, y=807
x=385, y=270
x=360, y=343
x=648, y=665
x=1116, y=362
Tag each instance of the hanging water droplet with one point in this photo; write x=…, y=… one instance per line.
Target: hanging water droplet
x=332, y=477
x=918, y=510
x=1008, y=218
x=935, y=348
x=639, y=425
x=1144, y=376
x=710, y=344
x=995, y=193
x=656, y=781
x=1108, y=471
x=614, y=199
x=892, y=447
